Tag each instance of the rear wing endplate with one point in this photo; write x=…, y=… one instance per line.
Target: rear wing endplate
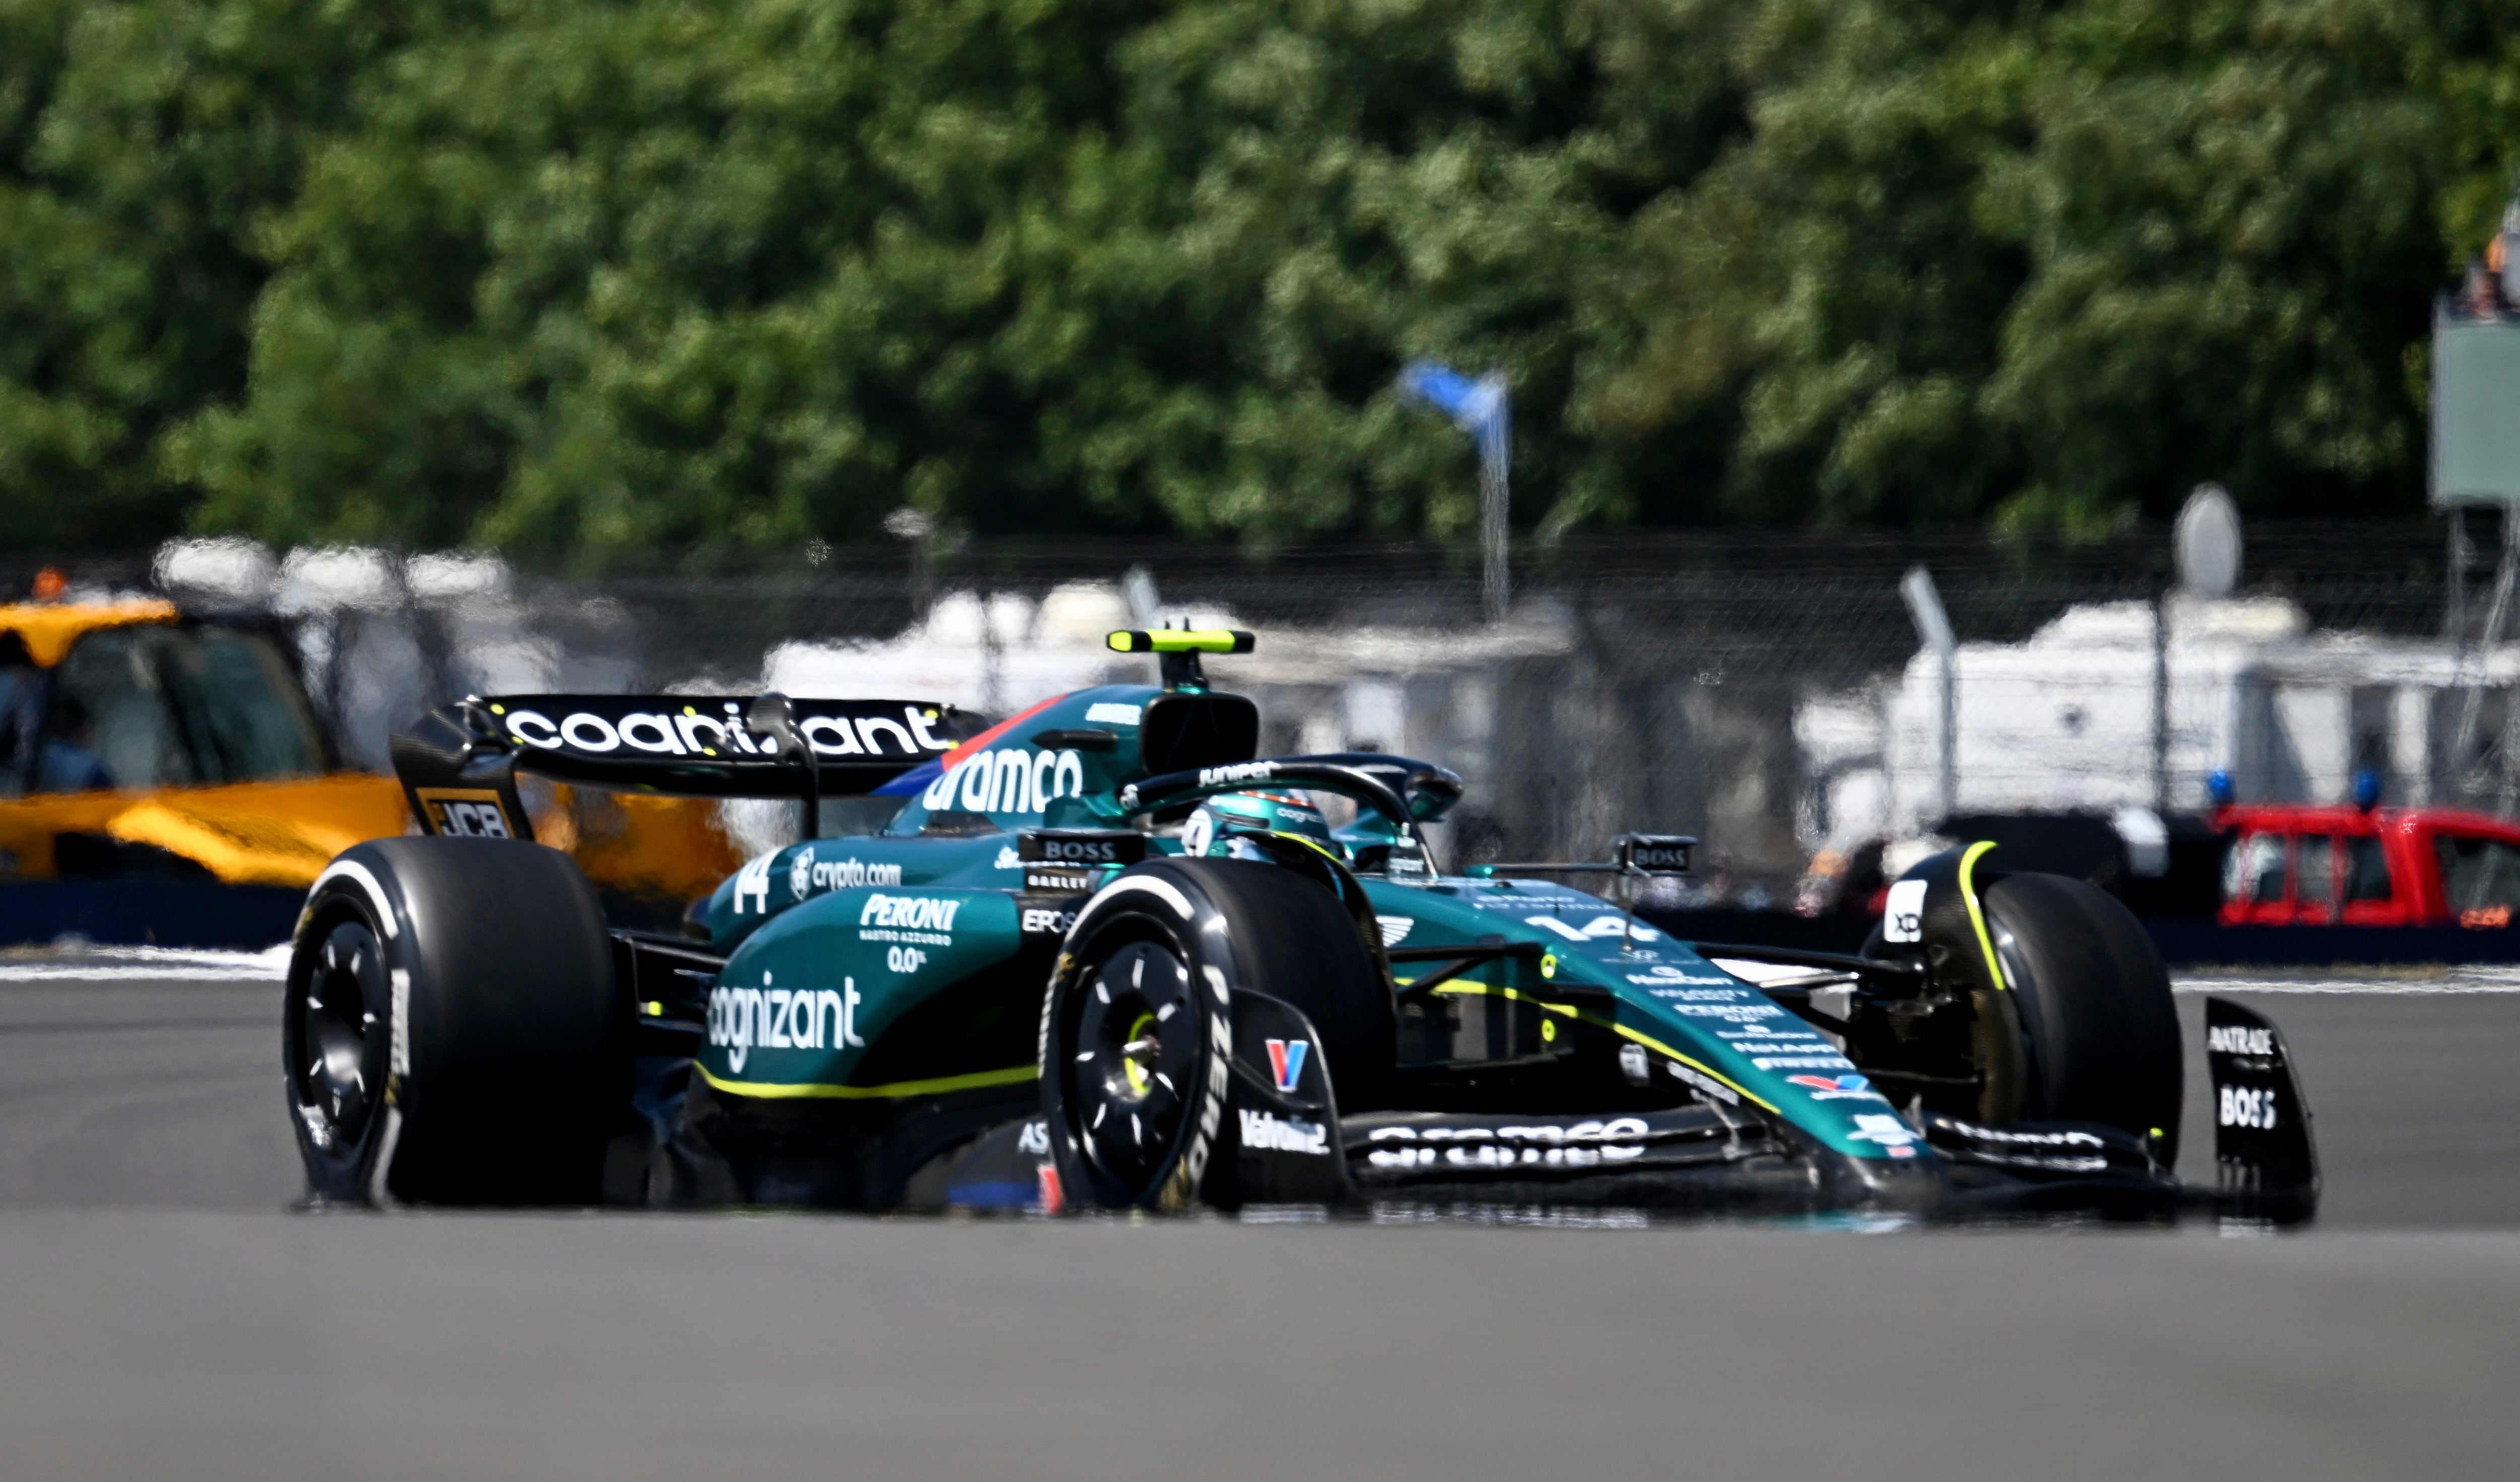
x=459, y=764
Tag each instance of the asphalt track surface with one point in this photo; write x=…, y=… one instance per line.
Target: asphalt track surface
x=163, y=1314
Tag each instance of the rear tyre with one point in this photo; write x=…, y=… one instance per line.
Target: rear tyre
x=451, y=1030
x=2098, y=1031
x=1138, y=1028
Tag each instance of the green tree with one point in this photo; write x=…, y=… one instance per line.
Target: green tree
x=2061, y=263
x=139, y=145
x=598, y=277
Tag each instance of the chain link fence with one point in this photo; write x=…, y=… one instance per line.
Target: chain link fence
x=1763, y=690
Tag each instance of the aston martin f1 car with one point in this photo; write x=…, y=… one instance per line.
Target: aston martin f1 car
x=1105, y=957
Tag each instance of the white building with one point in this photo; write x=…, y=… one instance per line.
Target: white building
x=2070, y=719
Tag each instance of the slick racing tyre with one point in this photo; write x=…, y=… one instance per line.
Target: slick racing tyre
x=451, y=1033
x=1137, y=1032
x=2098, y=1032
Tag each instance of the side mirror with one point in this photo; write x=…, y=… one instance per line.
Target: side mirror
x=770, y=715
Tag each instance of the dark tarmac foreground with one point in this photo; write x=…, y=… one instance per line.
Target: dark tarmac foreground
x=163, y=1316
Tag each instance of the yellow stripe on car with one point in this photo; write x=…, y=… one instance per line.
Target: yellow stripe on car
x=1977, y=917
x=1014, y=1075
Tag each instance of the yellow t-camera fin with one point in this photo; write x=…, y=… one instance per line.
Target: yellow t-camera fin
x=1180, y=641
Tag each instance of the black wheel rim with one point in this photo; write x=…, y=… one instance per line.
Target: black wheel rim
x=1131, y=1062
x=341, y=1012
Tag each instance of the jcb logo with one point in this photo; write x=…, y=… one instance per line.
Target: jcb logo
x=472, y=820
x=465, y=814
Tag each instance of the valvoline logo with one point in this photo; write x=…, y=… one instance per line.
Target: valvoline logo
x=1286, y=1058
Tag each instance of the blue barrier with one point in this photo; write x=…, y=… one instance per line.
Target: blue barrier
x=148, y=913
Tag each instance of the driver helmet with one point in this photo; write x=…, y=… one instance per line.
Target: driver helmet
x=1208, y=828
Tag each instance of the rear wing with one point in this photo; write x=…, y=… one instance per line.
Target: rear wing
x=459, y=764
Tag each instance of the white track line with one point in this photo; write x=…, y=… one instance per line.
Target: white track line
x=178, y=965
x=2347, y=985
x=157, y=964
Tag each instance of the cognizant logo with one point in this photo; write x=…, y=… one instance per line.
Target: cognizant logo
x=690, y=732
x=740, y=1019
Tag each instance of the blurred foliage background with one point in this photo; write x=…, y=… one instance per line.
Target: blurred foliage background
x=586, y=280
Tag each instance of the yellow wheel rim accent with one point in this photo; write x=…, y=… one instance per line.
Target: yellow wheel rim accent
x=1129, y=1066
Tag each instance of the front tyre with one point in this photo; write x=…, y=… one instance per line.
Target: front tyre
x=1137, y=1045
x=2097, y=1029
x=1137, y=1029
x=451, y=1032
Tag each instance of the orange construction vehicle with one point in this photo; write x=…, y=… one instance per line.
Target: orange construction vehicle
x=148, y=756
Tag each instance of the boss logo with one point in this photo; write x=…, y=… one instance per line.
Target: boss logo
x=2250, y=1106
x=1081, y=846
x=1656, y=853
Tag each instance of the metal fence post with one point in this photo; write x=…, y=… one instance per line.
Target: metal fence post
x=1934, y=630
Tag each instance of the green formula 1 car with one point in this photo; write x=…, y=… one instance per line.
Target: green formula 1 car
x=1102, y=957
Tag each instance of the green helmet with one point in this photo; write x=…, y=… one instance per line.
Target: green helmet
x=1211, y=823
